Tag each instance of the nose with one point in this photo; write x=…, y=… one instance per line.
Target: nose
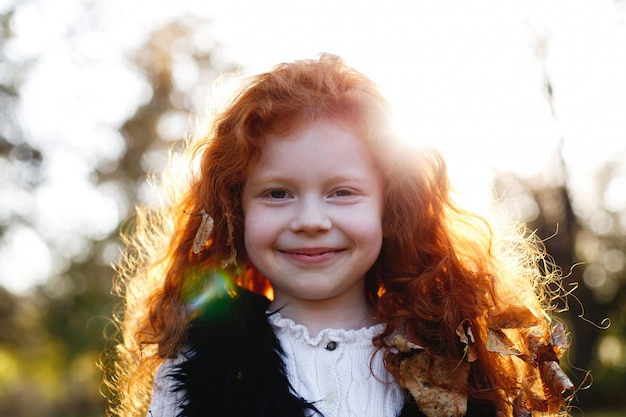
x=311, y=217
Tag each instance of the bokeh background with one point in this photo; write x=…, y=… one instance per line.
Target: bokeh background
x=525, y=99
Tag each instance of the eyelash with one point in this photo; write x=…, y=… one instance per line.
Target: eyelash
x=272, y=194
x=343, y=192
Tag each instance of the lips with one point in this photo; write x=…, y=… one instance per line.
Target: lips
x=308, y=251
x=311, y=255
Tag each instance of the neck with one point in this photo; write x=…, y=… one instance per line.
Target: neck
x=328, y=314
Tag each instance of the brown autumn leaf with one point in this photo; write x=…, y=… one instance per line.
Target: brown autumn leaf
x=554, y=378
x=513, y=318
x=546, y=353
x=558, y=337
x=519, y=408
x=535, y=342
x=498, y=342
x=538, y=404
x=404, y=345
x=464, y=331
x=532, y=395
x=432, y=399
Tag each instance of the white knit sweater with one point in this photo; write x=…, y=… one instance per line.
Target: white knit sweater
x=332, y=370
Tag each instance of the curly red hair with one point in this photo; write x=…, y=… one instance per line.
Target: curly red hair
x=439, y=266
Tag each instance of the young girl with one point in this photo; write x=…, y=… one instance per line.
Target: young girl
x=313, y=265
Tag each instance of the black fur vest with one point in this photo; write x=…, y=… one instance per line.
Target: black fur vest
x=234, y=365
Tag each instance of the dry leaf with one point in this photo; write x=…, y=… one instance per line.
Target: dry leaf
x=547, y=353
x=554, y=378
x=498, y=342
x=513, y=318
x=535, y=341
x=464, y=331
x=538, y=404
x=404, y=345
x=433, y=400
x=558, y=338
x=203, y=233
x=519, y=408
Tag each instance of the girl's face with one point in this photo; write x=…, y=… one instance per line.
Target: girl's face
x=313, y=215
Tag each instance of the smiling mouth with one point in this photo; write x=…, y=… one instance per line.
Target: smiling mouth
x=315, y=255
x=310, y=252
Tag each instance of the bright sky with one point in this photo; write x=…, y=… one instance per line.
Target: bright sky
x=462, y=76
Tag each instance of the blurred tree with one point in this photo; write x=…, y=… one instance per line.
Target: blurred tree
x=593, y=266
x=179, y=60
x=19, y=160
x=52, y=337
x=586, y=236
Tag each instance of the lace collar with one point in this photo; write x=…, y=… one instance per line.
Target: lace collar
x=287, y=328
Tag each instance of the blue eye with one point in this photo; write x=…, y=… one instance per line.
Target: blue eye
x=278, y=194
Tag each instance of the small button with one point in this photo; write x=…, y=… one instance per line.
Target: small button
x=331, y=345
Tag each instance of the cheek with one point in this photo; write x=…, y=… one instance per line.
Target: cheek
x=376, y=228
x=366, y=227
x=258, y=229
x=249, y=231
x=375, y=237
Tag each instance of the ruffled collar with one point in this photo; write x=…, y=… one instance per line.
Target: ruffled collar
x=287, y=328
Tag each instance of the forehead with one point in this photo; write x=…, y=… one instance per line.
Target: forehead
x=321, y=138
x=323, y=141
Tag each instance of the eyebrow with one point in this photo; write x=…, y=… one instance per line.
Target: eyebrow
x=280, y=178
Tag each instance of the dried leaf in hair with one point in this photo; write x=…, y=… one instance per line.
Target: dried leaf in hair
x=519, y=408
x=547, y=353
x=232, y=257
x=464, y=331
x=554, y=378
x=434, y=400
x=538, y=404
x=203, y=233
x=498, y=342
x=535, y=342
x=531, y=397
x=404, y=345
x=558, y=338
x=513, y=318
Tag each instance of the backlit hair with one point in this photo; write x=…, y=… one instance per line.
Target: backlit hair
x=440, y=266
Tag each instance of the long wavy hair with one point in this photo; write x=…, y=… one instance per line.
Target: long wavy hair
x=440, y=267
